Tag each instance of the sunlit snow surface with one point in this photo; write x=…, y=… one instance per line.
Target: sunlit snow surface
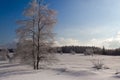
x=69, y=67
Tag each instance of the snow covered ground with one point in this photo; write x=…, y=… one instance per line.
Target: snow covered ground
x=69, y=67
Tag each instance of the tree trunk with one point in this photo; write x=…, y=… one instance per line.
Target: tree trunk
x=37, y=65
x=34, y=66
x=33, y=46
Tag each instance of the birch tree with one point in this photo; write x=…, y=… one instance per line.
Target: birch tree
x=35, y=34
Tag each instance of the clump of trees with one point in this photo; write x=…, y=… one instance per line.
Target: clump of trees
x=78, y=49
x=112, y=52
x=35, y=34
x=3, y=53
x=7, y=54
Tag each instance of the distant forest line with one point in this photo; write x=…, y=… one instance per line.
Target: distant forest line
x=81, y=50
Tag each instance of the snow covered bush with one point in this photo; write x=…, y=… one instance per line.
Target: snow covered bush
x=72, y=52
x=117, y=73
x=89, y=52
x=98, y=63
x=63, y=69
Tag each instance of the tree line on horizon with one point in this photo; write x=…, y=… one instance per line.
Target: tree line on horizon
x=82, y=49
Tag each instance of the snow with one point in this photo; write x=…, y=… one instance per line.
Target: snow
x=69, y=67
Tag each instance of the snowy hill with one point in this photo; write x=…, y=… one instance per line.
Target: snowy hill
x=69, y=67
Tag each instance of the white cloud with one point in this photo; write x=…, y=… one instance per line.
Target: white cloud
x=68, y=42
x=113, y=42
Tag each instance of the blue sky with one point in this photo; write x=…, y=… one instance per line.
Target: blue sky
x=80, y=22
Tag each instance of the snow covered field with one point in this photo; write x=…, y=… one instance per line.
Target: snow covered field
x=69, y=67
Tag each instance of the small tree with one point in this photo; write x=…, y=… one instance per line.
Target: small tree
x=35, y=34
x=103, y=51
